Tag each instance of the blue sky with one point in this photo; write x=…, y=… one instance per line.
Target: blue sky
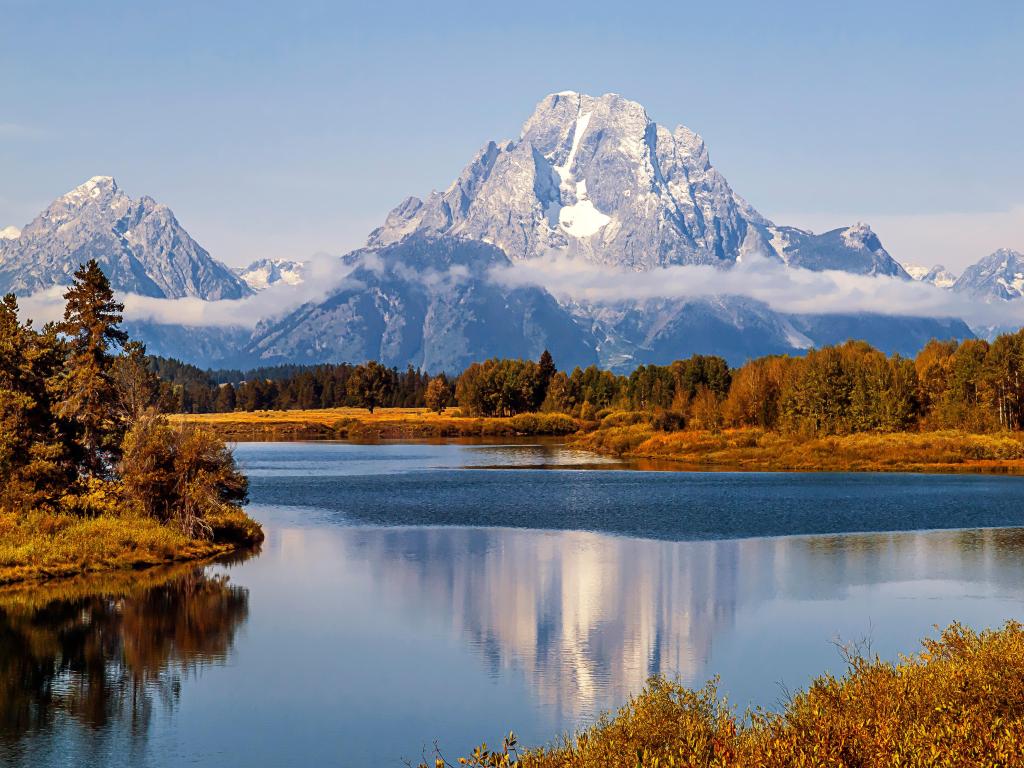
x=282, y=129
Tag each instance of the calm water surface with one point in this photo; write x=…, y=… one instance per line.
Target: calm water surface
x=412, y=593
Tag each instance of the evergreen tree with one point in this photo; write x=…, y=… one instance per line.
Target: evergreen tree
x=88, y=395
x=546, y=369
x=371, y=385
x=34, y=462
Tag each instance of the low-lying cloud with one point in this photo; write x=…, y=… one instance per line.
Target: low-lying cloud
x=322, y=275
x=785, y=289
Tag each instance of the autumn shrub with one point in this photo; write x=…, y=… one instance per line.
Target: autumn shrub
x=958, y=703
x=624, y=419
x=180, y=474
x=668, y=420
x=616, y=440
x=544, y=424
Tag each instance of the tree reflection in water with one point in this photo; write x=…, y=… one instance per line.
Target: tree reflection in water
x=108, y=651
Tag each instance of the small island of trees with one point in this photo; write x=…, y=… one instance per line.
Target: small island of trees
x=92, y=474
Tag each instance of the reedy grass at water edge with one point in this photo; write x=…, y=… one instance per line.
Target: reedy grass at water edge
x=43, y=545
x=358, y=424
x=756, y=449
x=958, y=702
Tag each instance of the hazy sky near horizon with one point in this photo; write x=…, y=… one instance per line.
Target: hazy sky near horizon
x=277, y=129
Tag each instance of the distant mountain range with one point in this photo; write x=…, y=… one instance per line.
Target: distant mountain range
x=998, y=276
x=591, y=179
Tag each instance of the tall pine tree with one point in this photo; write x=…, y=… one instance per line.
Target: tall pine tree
x=34, y=462
x=88, y=394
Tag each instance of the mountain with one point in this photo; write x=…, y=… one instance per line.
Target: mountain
x=854, y=249
x=10, y=233
x=138, y=242
x=999, y=275
x=938, y=275
x=264, y=273
x=427, y=302
x=662, y=330
x=595, y=176
x=893, y=335
x=592, y=178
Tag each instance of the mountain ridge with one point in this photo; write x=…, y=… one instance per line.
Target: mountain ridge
x=139, y=243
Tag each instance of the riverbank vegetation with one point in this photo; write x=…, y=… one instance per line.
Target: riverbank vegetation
x=970, y=386
x=358, y=425
x=959, y=701
x=761, y=450
x=956, y=405
x=92, y=475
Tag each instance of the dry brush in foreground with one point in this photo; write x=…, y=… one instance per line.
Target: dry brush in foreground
x=958, y=702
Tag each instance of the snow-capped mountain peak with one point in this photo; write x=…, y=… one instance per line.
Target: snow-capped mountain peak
x=1000, y=275
x=937, y=275
x=10, y=233
x=263, y=273
x=595, y=176
x=93, y=189
x=138, y=242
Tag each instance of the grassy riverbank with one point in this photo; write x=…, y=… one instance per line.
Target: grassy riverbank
x=958, y=702
x=634, y=436
x=755, y=449
x=43, y=545
x=358, y=424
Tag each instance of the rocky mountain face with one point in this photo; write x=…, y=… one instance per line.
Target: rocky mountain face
x=263, y=273
x=138, y=242
x=999, y=275
x=589, y=178
x=427, y=302
x=854, y=249
x=595, y=176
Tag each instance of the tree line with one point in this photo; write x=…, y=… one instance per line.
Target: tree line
x=81, y=428
x=188, y=389
x=973, y=385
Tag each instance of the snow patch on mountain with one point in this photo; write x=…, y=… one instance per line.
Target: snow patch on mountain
x=263, y=273
x=937, y=275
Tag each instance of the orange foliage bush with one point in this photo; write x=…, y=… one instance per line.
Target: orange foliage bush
x=959, y=702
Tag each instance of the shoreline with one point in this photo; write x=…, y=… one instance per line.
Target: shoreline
x=358, y=425
x=730, y=450
x=752, y=450
x=111, y=580
x=41, y=547
x=48, y=574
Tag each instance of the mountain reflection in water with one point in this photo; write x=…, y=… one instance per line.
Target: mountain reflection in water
x=391, y=606
x=586, y=617
x=104, y=653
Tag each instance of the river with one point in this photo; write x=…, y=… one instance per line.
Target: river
x=413, y=593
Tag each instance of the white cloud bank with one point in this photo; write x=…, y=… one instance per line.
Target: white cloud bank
x=784, y=289
x=322, y=275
